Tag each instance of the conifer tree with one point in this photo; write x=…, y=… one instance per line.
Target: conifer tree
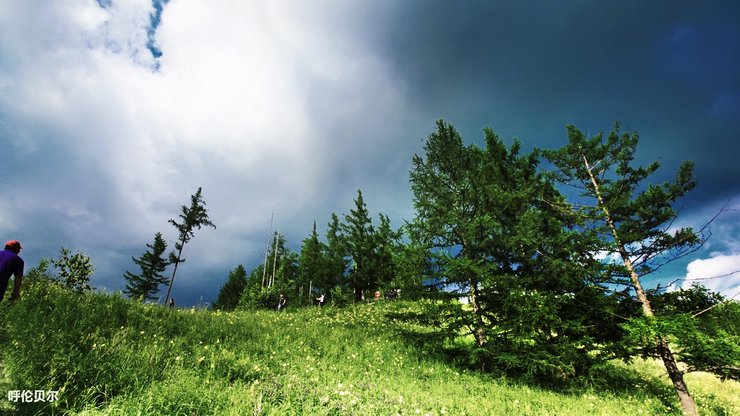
x=313, y=265
x=152, y=264
x=633, y=220
x=336, y=252
x=386, y=248
x=361, y=246
x=231, y=291
x=497, y=229
x=192, y=217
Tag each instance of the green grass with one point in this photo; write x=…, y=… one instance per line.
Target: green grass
x=109, y=356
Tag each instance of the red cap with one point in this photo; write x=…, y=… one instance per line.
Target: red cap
x=15, y=244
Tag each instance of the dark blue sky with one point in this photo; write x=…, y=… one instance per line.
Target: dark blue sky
x=114, y=113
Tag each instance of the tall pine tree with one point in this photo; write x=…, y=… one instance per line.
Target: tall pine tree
x=313, y=271
x=336, y=253
x=192, y=217
x=361, y=247
x=633, y=220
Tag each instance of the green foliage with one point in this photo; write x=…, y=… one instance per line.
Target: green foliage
x=70, y=271
x=414, y=267
x=314, y=269
x=231, y=291
x=361, y=246
x=192, y=217
x=281, y=276
x=78, y=344
x=703, y=326
x=336, y=252
x=497, y=229
x=265, y=298
x=637, y=210
x=152, y=264
x=341, y=296
x=110, y=355
x=40, y=272
x=632, y=219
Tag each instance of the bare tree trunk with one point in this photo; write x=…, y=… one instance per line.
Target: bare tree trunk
x=480, y=334
x=676, y=376
x=267, y=251
x=174, y=271
x=274, y=261
x=664, y=350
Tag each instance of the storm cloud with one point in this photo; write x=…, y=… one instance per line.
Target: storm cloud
x=114, y=112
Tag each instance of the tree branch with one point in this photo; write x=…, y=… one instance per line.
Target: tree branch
x=715, y=305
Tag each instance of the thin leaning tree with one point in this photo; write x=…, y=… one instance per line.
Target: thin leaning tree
x=633, y=218
x=192, y=217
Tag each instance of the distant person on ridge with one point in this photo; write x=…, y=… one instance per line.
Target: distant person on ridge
x=321, y=300
x=11, y=264
x=172, y=303
x=281, y=302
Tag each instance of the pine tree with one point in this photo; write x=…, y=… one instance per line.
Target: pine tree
x=195, y=216
x=336, y=253
x=361, y=246
x=497, y=229
x=231, y=291
x=632, y=220
x=146, y=284
x=447, y=202
x=386, y=248
x=313, y=265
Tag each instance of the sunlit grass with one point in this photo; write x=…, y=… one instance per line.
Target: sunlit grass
x=108, y=355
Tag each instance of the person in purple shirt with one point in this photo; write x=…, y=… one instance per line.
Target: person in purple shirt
x=11, y=264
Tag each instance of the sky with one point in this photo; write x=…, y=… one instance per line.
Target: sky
x=112, y=113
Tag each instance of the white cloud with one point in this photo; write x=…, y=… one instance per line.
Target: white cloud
x=254, y=101
x=716, y=266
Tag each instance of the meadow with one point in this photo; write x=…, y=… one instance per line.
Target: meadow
x=107, y=355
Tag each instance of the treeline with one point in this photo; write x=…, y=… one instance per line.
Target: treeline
x=552, y=279
x=356, y=257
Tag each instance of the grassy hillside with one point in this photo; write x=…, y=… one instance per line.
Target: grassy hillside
x=107, y=355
